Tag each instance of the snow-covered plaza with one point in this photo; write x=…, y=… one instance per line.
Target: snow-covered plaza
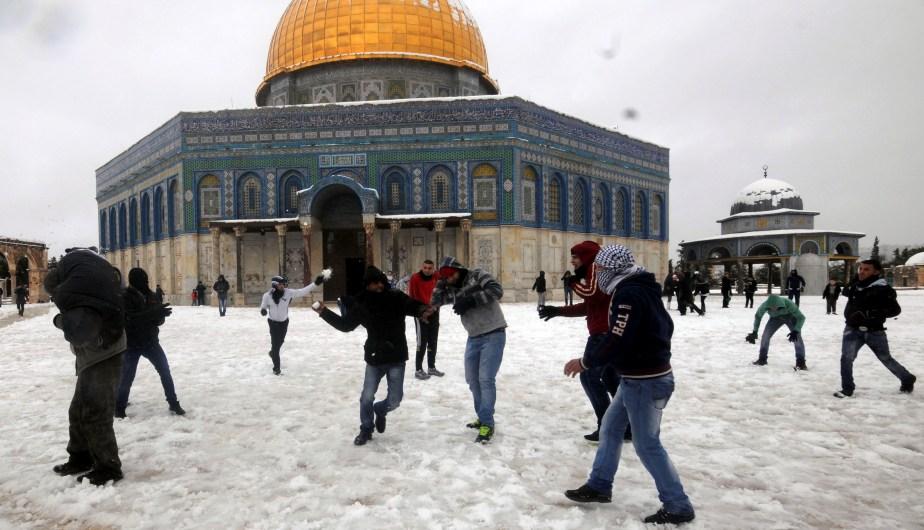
x=756, y=447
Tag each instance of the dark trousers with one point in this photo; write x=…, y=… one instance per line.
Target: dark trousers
x=427, y=334
x=853, y=340
x=158, y=358
x=726, y=298
x=748, y=299
x=21, y=307
x=683, y=304
x=795, y=293
x=92, y=439
x=702, y=302
x=278, y=332
x=569, y=297
x=599, y=383
x=831, y=304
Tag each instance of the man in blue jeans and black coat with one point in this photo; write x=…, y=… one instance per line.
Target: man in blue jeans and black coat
x=638, y=346
x=381, y=310
x=475, y=295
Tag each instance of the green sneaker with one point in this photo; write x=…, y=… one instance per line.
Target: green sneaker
x=474, y=425
x=484, y=434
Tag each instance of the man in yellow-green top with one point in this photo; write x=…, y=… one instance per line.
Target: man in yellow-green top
x=782, y=313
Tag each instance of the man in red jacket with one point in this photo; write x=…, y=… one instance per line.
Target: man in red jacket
x=420, y=288
x=599, y=383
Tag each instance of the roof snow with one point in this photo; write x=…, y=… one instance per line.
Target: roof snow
x=766, y=189
x=765, y=234
x=917, y=259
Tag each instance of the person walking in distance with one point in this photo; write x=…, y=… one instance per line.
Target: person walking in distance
x=381, y=310
x=221, y=288
x=21, y=294
x=794, y=286
x=830, y=294
x=870, y=300
x=701, y=284
x=726, y=290
x=566, y=285
x=475, y=295
x=750, y=287
x=420, y=288
x=200, y=293
x=159, y=293
x=637, y=345
x=599, y=383
x=782, y=313
x=275, y=307
x=669, y=288
x=539, y=287
x=143, y=316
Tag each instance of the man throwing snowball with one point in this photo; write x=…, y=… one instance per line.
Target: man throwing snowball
x=275, y=307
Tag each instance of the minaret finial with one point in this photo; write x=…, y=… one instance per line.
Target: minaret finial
x=765, y=170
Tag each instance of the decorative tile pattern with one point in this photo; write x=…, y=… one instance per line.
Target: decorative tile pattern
x=417, y=181
x=271, y=194
x=462, y=182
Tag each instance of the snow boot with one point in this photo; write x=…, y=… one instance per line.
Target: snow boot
x=177, y=409
x=665, y=517
x=474, y=425
x=800, y=365
x=362, y=438
x=593, y=437
x=908, y=385
x=434, y=372
x=759, y=362
x=380, y=422
x=73, y=467
x=485, y=434
x=420, y=374
x=843, y=393
x=587, y=494
x=99, y=477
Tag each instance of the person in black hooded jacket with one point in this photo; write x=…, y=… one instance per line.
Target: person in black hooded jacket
x=143, y=316
x=381, y=310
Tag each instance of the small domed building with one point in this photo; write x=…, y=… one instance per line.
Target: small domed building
x=379, y=138
x=911, y=274
x=767, y=225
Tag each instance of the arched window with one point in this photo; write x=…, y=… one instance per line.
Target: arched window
x=134, y=224
x=439, y=190
x=638, y=213
x=123, y=226
x=599, y=209
x=619, y=214
x=554, y=215
x=809, y=247
x=529, y=193
x=290, y=187
x=250, y=193
x=176, y=208
x=102, y=230
x=578, y=204
x=396, y=197
x=145, y=218
x=209, y=200
x=159, y=216
x=113, y=231
x=654, y=217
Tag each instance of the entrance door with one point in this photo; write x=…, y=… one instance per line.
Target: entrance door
x=345, y=252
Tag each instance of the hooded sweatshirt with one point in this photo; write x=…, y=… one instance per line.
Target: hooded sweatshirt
x=869, y=303
x=778, y=307
x=143, y=312
x=478, y=286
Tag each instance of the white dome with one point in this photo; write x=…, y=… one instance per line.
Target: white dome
x=766, y=194
x=917, y=259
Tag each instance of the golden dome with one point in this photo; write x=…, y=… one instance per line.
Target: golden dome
x=313, y=32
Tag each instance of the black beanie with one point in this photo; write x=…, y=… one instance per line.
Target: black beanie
x=374, y=275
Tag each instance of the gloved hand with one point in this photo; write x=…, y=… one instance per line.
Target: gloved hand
x=548, y=312
x=263, y=312
x=463, y=304
x=165, y=310
x=793, y=336
x=752, y=337
x=319, y=280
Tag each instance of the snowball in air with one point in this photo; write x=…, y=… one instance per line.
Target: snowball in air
x=315, y=305
x=327, y=273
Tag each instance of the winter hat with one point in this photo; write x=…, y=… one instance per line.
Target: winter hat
x=138, y=279
x=276, y=280
x=614, y=264
x=448, y=267
x=586, y=251
x=81, y=326
x=374, y=275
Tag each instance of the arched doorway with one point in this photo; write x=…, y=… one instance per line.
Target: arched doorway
x=343, y=240
x=5, y=282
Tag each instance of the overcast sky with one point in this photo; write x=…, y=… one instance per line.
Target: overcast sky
x=829, y=94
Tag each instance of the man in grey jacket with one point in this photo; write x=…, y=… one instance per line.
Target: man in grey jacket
x=474, y=296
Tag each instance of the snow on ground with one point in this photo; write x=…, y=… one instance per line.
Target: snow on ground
x=756, y=447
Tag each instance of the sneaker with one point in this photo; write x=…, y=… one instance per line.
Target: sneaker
x=758, y=362
x=380, y=422
x=420, y=374
x=665, y=517
x=843, y=393
x=800, y=365
x=277, y=371
x=474, y=425
x=434, y=372
x=587, y=494
x=362, y=438
x=593, y=437
x=99, y=477
x=72, y=467
x=908, y=385
x=485, y=434
x=177, y=409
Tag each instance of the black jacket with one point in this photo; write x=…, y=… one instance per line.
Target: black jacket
x=20, y=293
x=222, y=287
x=794, y=282
x=869, y=303
x=382, y=314
x=143, y=317
x=702, y=286
x=85, y=279
x=750, y=286
x=726, y=285
x=638, y=344
x=539, y=284
x=829, y=292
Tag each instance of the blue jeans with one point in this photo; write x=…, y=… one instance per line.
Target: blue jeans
x=158, y=358
x=774, y=324
x=639, y=403
x=222, y=304
x=367, y=405
x=483, y=356
x=854, y=339
x=599, y=383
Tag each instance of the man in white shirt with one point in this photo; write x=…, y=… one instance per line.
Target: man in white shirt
x=275, y=307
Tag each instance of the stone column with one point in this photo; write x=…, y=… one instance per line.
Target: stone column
x=216, y=252
x=438, y=226
x=466, y=225
x=369, y=229
x=239, y=275
x=739, y=278
x=281, y=230
x=305, y=224
x=395, y=227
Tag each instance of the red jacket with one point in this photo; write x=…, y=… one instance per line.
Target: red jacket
x=420, y=288
x=596, y=304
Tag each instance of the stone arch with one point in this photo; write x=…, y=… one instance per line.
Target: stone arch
x=843, y=249
x=719, y=253
x=809, y=247
x=690, y=255
x=763, y=249
x=310, y=200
